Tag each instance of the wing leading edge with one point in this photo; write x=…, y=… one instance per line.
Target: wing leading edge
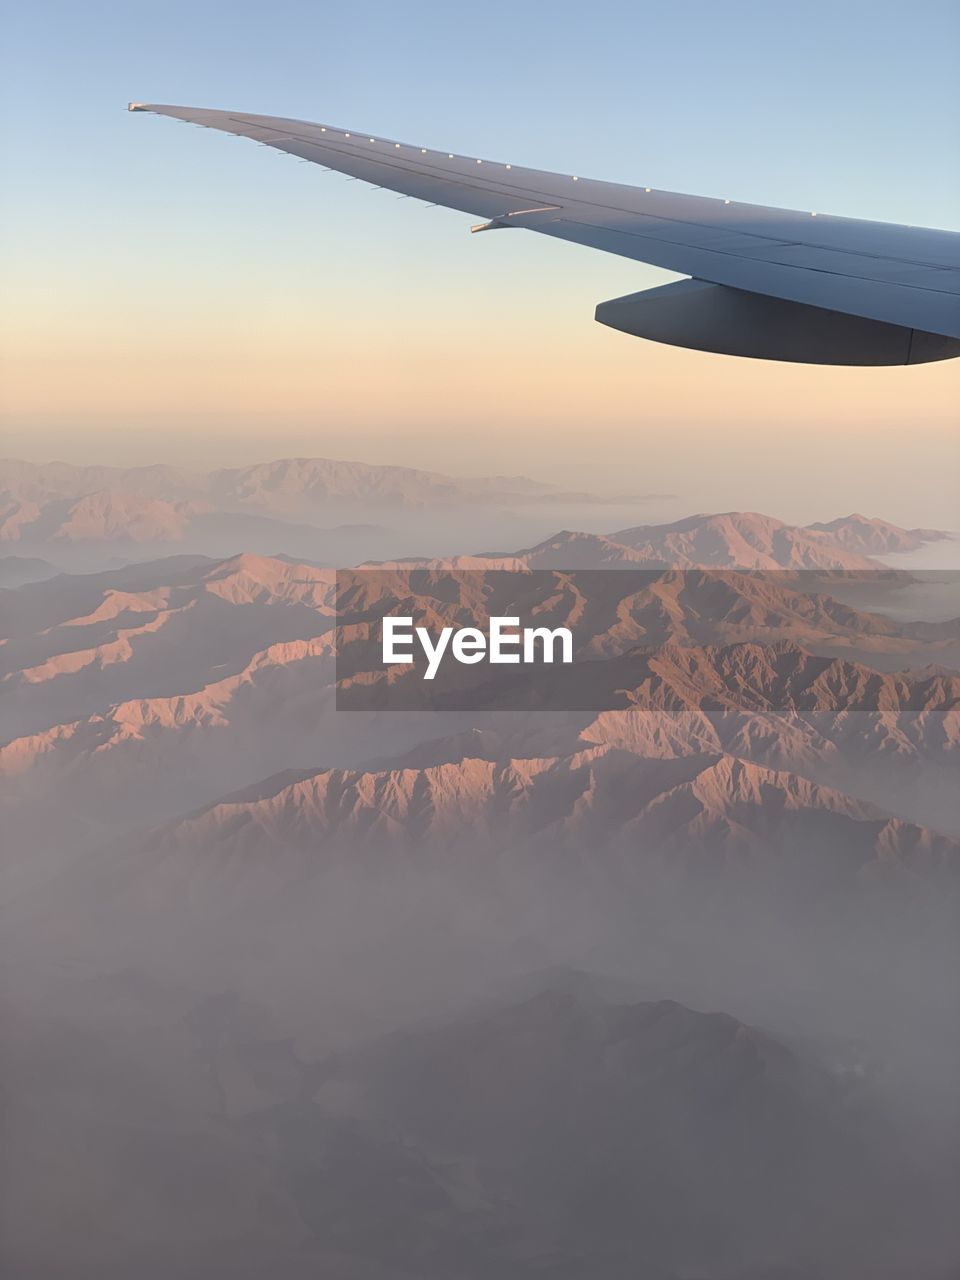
x=770, y=283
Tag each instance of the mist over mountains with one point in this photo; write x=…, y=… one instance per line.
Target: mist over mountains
x=658, y=984
x=335, y=513
x=317, y=508
x=738, y=539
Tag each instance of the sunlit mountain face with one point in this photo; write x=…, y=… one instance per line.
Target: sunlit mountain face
x=653, y=978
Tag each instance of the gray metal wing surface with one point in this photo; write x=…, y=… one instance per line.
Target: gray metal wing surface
x=770, y=283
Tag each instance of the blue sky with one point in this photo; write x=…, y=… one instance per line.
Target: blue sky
x=848, y=106
x=171, y=289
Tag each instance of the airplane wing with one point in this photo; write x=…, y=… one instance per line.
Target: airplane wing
x=775, y=284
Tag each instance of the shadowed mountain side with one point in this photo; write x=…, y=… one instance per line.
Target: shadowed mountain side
x=17, y=571
x=888, y=739
x=883, y=738
x=77, y=645
x=155, y=688
x=67, y=789
x=152, y=690
x=601, y=812
x=611, y=612
x=588, y=1115
x=576, y=1129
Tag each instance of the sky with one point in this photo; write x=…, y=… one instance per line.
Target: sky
x=174, y=294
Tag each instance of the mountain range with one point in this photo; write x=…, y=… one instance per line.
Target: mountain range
x=132, y=695
x=656, y=984
x=736, y=539
x=332, y=511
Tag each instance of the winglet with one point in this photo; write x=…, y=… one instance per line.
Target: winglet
x=137, y=106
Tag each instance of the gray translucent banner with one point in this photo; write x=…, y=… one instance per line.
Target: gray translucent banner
x=799, y=641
